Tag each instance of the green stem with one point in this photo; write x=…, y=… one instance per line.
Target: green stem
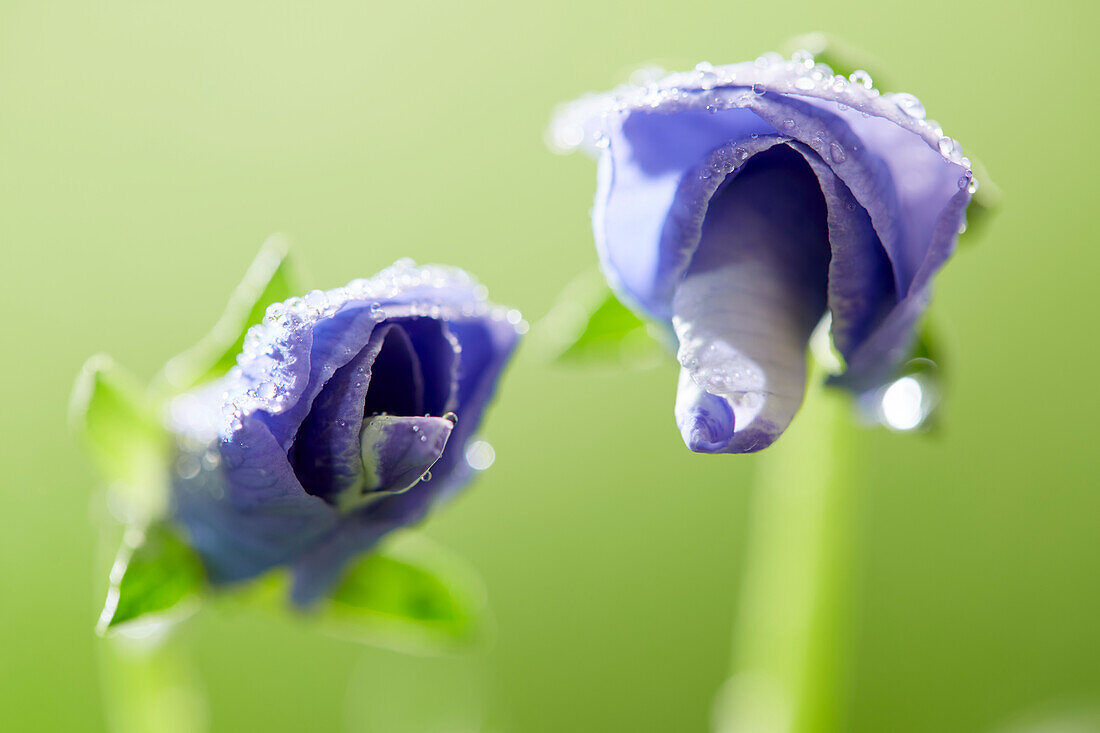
x=789, y=673
x=150, y=686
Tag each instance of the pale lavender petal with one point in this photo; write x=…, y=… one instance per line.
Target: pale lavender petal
x=744, y=311
x=894, y=187
x=652, y=195
x=398, y=452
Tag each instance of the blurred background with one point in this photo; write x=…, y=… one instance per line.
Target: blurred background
x=148, y=148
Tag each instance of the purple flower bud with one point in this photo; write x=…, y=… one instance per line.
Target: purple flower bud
x=346, y=416
x=741, y=204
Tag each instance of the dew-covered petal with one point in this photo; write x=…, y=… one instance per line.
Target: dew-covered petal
x=325, y=454
x=904, y=184
x=911, y=183
x=486, y=344
x=861, y=283
x=333, y=343
x=655, y=180
x=751, y=296
x=237, y=494
x=397, y=452
x=242, y=506
x=406, y=368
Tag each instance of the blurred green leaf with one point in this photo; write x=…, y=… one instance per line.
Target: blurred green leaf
x=121, y=432
x=589, y=325
x=155, y=572
x=411, y=596
x=269, y=279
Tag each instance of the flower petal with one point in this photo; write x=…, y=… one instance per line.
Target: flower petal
x=486, y=344
x=237, y=493
x=656, y=178
x=242, y=506
x=397, y=452
x=751, y=296
x=406, y=368
x=657, y=149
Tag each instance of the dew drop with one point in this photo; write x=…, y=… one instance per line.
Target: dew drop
x=758, y=89
x=909, y=105
x=861, y=78
x=708, y=79
x=836, y=152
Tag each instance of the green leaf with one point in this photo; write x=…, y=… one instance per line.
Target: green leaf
x=269, y=279
x=589, y=325
x=410, y=596
x=155, y=572
x=121, y=432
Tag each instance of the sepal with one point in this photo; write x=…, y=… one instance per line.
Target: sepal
x=411, y=595
x=155, y=575
x=122, y=434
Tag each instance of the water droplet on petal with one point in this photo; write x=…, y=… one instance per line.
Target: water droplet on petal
x=909, y=105
x=707, y=77
x=862, y=78
x=836, y=152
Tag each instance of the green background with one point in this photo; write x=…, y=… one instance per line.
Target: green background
x=146, y=150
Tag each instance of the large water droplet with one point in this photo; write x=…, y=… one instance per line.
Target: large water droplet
x=708, y=79
x=909, y=105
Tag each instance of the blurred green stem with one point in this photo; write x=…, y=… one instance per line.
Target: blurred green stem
x=150, y=686
x=790, y=639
